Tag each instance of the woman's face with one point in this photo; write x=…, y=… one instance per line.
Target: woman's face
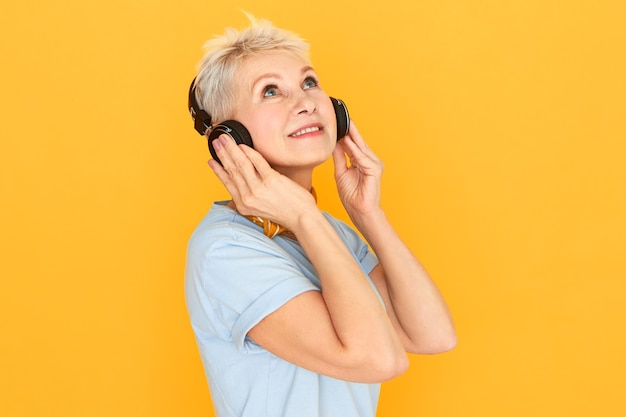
x=290, y=118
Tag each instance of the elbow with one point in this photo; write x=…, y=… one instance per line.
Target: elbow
x=372, y=365
x=388, y=366
x=439, y=344
x=401, y=366
x=396, y=367
x=446, y=344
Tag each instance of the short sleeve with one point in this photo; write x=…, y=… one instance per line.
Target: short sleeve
x=240, y=277
x=359, y=248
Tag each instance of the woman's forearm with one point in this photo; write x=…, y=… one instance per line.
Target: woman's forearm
x=419, y=307
x=359, y=318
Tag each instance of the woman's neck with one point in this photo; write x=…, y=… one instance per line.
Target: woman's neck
x=303, y=177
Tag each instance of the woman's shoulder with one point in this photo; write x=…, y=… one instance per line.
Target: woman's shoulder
x=224, y=226
x=344, y=229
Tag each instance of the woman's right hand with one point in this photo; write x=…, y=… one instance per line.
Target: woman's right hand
x=256, y=188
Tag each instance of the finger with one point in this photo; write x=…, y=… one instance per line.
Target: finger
x=234, y=160
x=359, y=154
x=354, y=152
x=354, y=133
x=236, y=172
x=220, y=147
x=357, y=138
x=224, y=177
x=340, y=160
x=366, y=162
x=215, y=166
x=228, y=152
x=261, y=166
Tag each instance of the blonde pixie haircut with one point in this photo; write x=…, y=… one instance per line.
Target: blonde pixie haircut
x=224, y=54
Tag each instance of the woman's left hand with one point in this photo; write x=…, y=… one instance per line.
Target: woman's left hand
x=357, y=173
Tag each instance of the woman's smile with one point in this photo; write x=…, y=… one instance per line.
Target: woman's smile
x=279, y=99
x=307, y=132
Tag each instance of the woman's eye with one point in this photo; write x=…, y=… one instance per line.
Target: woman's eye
x=270, y=91
x=310, y=82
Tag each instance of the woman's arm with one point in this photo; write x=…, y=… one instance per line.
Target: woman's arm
x=414, y=304
x=342, y=331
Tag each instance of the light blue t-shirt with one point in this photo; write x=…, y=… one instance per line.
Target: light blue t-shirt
x=235, y=276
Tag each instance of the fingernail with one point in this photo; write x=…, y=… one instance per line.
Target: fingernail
x=223, y=139
x=217, y=145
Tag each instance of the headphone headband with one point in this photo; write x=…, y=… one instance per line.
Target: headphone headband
x=201, y=119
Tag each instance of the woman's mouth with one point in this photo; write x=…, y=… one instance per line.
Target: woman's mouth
x=305, y=131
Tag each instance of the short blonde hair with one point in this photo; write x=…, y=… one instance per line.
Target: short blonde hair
x=215, y=91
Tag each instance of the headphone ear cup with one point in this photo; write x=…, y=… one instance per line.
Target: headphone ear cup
x=343, y=117
x=232, y=128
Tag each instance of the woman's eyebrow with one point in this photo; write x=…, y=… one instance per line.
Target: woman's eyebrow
x=265, y=76
x=276, y=75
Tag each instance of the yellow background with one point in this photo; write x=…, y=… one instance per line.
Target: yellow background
x=502, y=127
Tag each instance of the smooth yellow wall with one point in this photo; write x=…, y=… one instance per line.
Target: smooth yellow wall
x=502, y=126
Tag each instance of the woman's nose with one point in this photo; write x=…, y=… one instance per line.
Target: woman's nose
x=304, y=103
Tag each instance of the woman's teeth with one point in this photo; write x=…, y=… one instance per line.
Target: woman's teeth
x=303, y=131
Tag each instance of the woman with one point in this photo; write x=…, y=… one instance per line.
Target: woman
x=310, y=321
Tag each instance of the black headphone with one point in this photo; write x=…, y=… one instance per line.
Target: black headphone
x=239, y=133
